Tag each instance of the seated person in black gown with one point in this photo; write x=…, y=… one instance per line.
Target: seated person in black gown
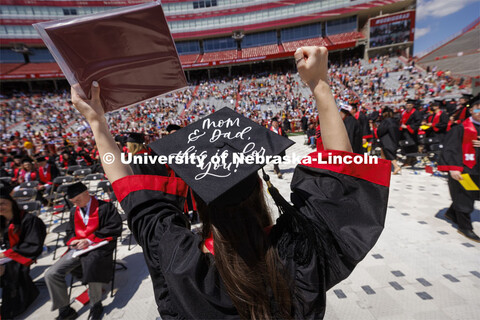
x=22, y=237
x=243, y=265
x=91, y=221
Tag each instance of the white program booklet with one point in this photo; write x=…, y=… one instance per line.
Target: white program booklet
x=89, y=248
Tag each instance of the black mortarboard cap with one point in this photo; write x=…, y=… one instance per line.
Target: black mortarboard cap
x=226, y=133
x=40, y=159
x=172, y=127
x=274, y=119
x=24, y=160
x=135, y=137
x=5, y=190
x=412, y=101
x=75, y=189
x=17, y=156
x=467, y=96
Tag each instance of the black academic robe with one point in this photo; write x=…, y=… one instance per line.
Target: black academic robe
x=23, y=247
x=347, y=202
x=373, y=116
x=354, y=133
x=413, y=122
x=48, y=174
x=104, y=224
x=389, y=136
x=452, y=158
x=461, y=113
x=156, y=168
x=363, y=122
x=439, y=125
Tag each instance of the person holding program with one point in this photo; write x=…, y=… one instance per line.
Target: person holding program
x=91, y=221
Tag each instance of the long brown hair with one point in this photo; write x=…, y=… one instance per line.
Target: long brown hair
x=247, y=262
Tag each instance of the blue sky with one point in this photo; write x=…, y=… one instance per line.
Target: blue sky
x=438, y=20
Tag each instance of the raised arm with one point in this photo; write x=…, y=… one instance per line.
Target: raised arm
x=93, y=112
x=312, y=64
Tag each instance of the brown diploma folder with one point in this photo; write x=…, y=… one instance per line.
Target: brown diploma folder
x=129, y=51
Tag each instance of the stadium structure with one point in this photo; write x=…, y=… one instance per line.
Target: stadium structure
x=217, y=37
x=459, y=54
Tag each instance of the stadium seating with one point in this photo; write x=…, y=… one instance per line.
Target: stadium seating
x=345, y=37
x=9, y=67
x=260, y=51
x=49, y=67
x=459, y=65
x=189, y=58
x=291, y=46
x=219, y=56
x=464, y=43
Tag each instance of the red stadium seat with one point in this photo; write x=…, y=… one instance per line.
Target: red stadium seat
x=260, y=51
x=291, y=46
x=5, y=68
x=219, y=56
x=188, y=58
x=49, y=67
x=345, y=37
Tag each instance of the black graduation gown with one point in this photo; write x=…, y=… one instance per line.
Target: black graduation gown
x=97, y=265
x=363, y=122
x=410, y=134
x=156, y=169
x=354, y=133
x=348, y=201
x=19, y=291
x=451, y=158
x=442, y=125
x=373, y=116
x=439, y=129
x=389, y=136
x=461, y=113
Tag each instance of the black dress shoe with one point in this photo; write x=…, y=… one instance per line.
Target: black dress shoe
x=96, y=312
x=67, y=313
x=469, y=234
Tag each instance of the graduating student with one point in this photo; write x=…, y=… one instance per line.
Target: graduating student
x=275, y=127
x=16, y=167
x=243, y=265
x=437, y=121
x=362, y=120
x=461, y=154
x=91, y=221
x=462, y=111
x=136, y=146
x=67, y=159
x=28, y=173
x=22, y=237
x=409, y=124
x=47, y=171
x=389, y=136
x=353, y=128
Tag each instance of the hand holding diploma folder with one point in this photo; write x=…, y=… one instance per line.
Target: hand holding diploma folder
x=467, y=183
x=129, y=51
